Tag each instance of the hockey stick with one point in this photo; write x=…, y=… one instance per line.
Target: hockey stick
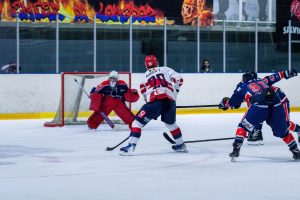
x=108, y=121
x=112, y=148
x=198, y=106
x=167, y=137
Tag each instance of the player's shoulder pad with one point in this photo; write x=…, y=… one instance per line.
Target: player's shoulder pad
x=103, y=84
x=121, y=82
x=239, y=86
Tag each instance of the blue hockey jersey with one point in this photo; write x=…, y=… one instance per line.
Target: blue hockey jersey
x=254, y=91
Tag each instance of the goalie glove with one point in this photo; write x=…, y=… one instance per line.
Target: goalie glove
x=290, y=73
x=131, y=95
x=93, y=90
x=224, y=103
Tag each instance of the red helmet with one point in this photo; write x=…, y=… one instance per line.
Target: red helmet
x=151, y=61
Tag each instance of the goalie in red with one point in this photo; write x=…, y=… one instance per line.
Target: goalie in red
x=111, y=95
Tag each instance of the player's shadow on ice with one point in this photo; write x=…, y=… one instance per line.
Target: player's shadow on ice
x=6, y=163
x=267, y=159
x=10, y=151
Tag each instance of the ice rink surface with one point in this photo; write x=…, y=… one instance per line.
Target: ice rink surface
x=70, y=163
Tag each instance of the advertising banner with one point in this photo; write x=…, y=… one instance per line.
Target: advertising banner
x=287, y=10
x=109, y=11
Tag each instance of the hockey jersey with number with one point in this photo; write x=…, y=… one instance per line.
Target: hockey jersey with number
x=245, y=91
x=160, y=83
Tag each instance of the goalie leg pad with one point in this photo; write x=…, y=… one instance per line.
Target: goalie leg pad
x=94, y=120
x=123, y=112
x=96, y=101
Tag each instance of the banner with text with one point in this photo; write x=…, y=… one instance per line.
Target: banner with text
x=287, y=10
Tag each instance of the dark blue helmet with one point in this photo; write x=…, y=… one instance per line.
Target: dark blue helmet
x=249, y=75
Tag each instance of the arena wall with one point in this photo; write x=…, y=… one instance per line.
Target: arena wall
x=38, y=95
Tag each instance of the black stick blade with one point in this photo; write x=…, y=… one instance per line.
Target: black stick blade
x=109, y=149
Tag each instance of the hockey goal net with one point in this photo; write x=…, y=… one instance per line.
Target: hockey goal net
x=74, y=103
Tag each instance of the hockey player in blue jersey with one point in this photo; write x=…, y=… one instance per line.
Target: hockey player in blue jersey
x=256, y=137
x=265, y=105
x=159, y=87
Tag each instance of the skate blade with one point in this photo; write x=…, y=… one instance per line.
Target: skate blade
x=257, y=143
x=126, y=153
x=182, y=151
x=233, y=159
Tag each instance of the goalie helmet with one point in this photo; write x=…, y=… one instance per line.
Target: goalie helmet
x=113, y=78
x=151, y=61
x=249, y=75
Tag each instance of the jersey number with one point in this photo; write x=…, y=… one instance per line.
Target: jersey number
x=157, y=81
x=256, y=87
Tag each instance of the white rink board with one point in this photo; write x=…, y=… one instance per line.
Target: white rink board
x=34, y=93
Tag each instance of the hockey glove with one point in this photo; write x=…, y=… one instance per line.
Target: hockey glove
x=290, y=73
x=237, y=106
x=131, y=95
x=224, y=103
x=93, y=90
x=134, y=91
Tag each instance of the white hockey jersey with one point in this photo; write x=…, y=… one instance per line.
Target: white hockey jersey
x=160, y=83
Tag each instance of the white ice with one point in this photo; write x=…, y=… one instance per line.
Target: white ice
x=70, y=163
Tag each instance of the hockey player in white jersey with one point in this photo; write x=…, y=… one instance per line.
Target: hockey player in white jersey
x=159, y=88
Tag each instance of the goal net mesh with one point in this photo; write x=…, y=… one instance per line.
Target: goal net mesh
x=74, y=102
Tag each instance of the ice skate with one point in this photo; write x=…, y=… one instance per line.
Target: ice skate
x=296, y=153
x=180, y=148
x=236, y=151
x=256, y=138
x=128, y=150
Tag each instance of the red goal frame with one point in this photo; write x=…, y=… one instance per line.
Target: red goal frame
x=63, y=74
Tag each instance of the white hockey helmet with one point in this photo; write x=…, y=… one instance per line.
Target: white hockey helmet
x=114, y=74
x=113, y=78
